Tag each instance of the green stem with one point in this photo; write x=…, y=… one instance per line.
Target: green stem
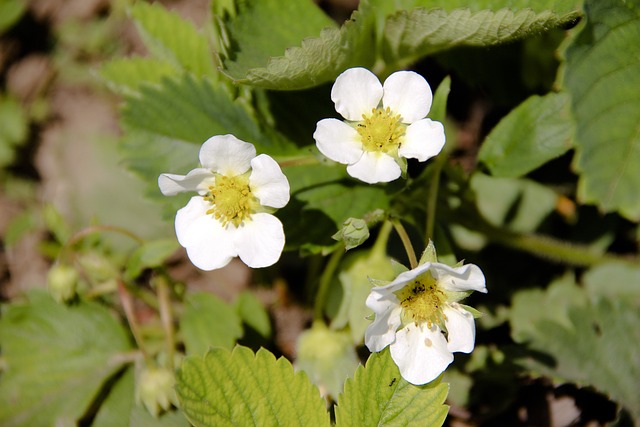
x=432, y=200
x=166, y=317
x=325, y=282
x=380, y=246
x=406, y=242
x=298, y=161
x=127, y=305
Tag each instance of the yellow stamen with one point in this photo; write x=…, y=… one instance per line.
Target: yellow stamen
x=381, y=131
x=422, y=301
x=231, y=199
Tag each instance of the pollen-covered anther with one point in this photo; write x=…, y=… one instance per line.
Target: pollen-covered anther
x=381, y=131
x=231, y=199
x=421, y=302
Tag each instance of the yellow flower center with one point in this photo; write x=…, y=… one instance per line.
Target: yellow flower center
x=422, y=301
x=231, y=199
x=381, y=131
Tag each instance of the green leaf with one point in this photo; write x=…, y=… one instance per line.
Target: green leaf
x=274, y=48
x=379, y=396
x=602, y=74
x=14, y=125
x=538, y=130
x=614, y=279
x=207, y=321
x=125, y=75
x=519, y=204
x=560, y=6
x=598, y=348
x=253, y=313
x=526, y=311
x=10, y=12
x=242, y=388
x=149, y=255
x=194, y=109
x=173, y=39
x=328, y=357
x=355, y=271
x=58, y=358
x=409, y=35
x=119, y=409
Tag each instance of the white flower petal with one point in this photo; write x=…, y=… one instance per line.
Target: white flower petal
x=356, y=92
x=338, y=141
x=196, y=180
x=382, y=298
x=422, y=140
x=268, y=183
x=461, y=329
x=468, y=277
x=227, y=155
x=421, y=353
x=382, y=331
x=259, y=241
x=401, y=280
x=209, y=245
x=374, y=167
x=408, y=94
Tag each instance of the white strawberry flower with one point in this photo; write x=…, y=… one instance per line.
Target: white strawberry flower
x=419, y=317
x=231, y=215
x=385, y=124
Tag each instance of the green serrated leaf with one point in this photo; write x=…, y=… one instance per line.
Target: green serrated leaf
x=57, y=359
x=378, y=396
x=602, y=74
x=538, y=130
x=303, y=57
x=125, y=75
x=598, y=348
x=149, y=255
x=194, y=109
x=171, y=38
x=409, y=35
x=207, y=322
x=120, y=410
x=242, y=388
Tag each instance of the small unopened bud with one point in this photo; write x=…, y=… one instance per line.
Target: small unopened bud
x=62, y=282
x=155, y=390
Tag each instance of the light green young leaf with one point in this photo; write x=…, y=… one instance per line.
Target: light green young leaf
x=242, y=388
x=603, y=75
x=169, y=37
x=149, y=255
x=559, y=6
x=125, y=75
x=409, y=35
x=378, y=396
x=296, y=46
x=120, y=410
x=58, y=358
x=328, y=357
x=207, y=322
x=538, y=130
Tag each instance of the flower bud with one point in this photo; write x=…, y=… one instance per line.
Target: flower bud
x=155, y=389
x=62, y=282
